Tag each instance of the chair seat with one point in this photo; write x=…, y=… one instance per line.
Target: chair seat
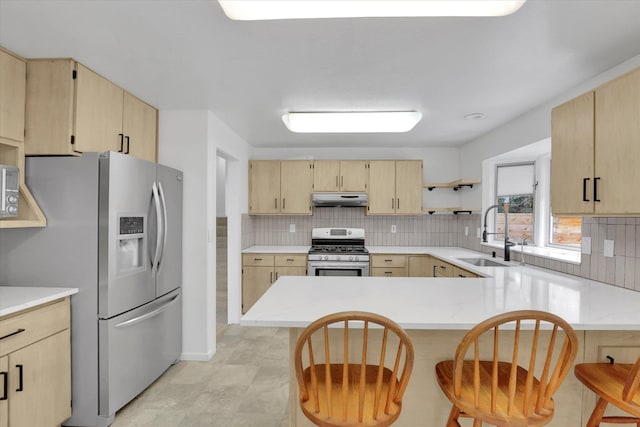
x=519, y=415
x=607, y=380
x=339, y=403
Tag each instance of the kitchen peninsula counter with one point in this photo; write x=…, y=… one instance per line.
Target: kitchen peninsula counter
x=436, y=312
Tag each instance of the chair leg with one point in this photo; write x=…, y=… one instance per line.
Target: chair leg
x=453, y=417
x=597, y=414
x=477, y=423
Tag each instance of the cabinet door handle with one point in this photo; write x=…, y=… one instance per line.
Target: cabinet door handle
x=434, y=271
x=584, y=189
x=595, y=189
x=12, y=333
x=393, y=203
x=283, y=202
x=342, y=181
x=5, y=387
x=276, y=202
x=121, y=149
x=271, y=277
x=20, y=388
x=276, y=275
x=398, y=204
x=127, y=138
x=337, y=185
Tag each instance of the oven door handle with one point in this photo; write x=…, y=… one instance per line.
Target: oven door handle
x=338, y=265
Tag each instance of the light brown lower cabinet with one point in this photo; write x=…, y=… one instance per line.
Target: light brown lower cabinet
x=260, y=271
x=405, y=265
x=389, y=265
x=35, y=366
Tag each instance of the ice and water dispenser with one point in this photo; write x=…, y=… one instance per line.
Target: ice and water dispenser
x=130, y=249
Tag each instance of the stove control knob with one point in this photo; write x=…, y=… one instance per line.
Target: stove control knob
x=326, y=257
x=353, y=258
x=338, y=258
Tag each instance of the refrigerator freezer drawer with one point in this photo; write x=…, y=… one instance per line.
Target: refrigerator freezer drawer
x=136, y=348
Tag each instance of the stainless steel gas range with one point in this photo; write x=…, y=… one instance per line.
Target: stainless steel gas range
x=338, y=252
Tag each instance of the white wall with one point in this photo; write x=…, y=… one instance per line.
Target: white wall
x=531, y=127
x=236, y=153
x=189, y=141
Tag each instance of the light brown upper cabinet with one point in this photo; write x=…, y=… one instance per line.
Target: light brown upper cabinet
x=595, y=150
x=395, y=187
x=12, y=114
x=340, y=175
x=280, y=187
x=13, y=73
x=71, y=110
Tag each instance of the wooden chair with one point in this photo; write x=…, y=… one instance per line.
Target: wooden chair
x=498, y=391
x=617, y=384
x=353, y=376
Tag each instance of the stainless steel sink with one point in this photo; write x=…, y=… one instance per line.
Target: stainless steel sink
x=484, y=262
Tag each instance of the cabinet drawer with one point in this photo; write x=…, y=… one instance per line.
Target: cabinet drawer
x=443, y=269
x=291, y=260
x=459, y=272
x=388, y=261
x=258, y=260
x=389, y=272
x=35, y=324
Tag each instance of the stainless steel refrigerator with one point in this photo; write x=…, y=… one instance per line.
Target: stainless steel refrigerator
x=114, y=230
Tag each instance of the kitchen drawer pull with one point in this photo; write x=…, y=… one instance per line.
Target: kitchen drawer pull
x=388, y=272
x=12, y=333
x=388, y=260
x=584, y=189
x=595, y=189
x=461, y=275
x=20, y=388
x=257, y=259
x=290, y=259
x=5, y=387
x=443, y=266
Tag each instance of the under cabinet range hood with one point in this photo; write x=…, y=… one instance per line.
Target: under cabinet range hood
x=328, y=200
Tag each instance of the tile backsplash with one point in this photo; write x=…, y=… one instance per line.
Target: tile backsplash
x=623, y=269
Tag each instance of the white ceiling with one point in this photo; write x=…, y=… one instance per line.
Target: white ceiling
x=185, y=54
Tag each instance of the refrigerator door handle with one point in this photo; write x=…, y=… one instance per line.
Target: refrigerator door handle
x=148, y=315
x=163, y=200
x=156, y=200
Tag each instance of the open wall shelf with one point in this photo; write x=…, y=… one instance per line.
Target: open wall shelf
x=453, y=210
x=455, y=185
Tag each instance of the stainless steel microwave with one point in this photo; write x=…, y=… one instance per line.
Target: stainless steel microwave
x=9, y=191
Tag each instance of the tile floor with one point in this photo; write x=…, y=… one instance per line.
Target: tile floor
x=245, y=384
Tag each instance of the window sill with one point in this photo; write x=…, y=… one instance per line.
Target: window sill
x=556, y=254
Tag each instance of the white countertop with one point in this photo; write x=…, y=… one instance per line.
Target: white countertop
x=449, y=303
x=17, y=298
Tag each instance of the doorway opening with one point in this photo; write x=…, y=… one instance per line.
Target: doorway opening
x=221, y=246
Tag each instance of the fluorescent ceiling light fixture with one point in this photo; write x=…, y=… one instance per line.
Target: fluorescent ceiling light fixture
x=251, y=10
x=351, y=121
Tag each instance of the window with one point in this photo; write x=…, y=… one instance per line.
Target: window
x=522, y=179
x=515, y=188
